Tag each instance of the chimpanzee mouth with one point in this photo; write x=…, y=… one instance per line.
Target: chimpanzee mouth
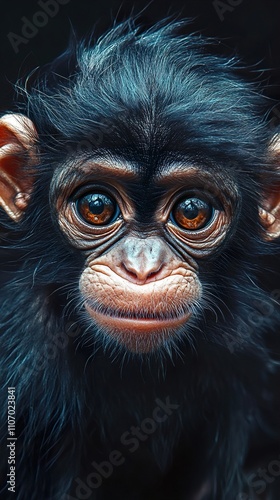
x=139, y=320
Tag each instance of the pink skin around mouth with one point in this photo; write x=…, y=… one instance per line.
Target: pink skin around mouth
x=137, y=325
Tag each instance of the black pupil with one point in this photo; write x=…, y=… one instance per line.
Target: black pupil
x=96, y=206
x=191, y=209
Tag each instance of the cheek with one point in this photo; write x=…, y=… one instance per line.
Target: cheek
x=139, y=317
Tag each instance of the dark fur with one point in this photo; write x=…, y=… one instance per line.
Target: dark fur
x=147, y=98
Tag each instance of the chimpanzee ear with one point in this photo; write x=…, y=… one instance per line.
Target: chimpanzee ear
x=17, y=155
x=270, y=209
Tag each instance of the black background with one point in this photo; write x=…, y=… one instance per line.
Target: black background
x=250, y=30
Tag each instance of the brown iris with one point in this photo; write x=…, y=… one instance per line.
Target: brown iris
x=192, y=213
x=97, y=208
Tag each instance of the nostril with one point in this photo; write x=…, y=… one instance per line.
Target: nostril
x=130, y=272
x=152, y=274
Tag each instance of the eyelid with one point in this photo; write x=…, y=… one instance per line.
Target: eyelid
x=194, y=234
x=92, y=188
x=205, y=196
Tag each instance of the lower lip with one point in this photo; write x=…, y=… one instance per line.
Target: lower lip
x=136, y=325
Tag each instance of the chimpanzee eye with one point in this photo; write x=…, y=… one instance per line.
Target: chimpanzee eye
x=192, y=213
x=97, y=208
